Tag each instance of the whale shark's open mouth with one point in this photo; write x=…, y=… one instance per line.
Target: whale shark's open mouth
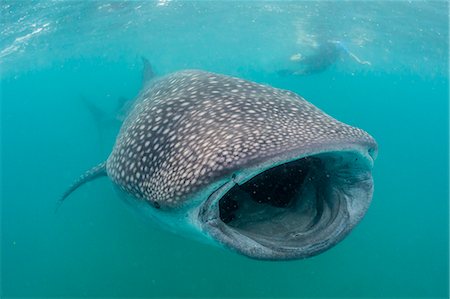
x=293, y=210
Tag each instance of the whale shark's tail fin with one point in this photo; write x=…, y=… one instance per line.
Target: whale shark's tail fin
x=106, y=124
x=124, y=106
x=102, y=118
x=92, y=174
x=96, y=112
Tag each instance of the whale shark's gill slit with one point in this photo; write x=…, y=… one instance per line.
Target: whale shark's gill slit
x=296, y=203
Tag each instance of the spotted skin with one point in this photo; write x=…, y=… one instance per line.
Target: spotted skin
x=191, y=128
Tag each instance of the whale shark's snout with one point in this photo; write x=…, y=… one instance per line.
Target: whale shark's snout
x=252, y=168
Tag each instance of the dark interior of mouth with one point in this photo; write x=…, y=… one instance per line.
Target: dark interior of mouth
x=299, y=202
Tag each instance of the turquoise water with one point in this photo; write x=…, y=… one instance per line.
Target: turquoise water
x=55, y=54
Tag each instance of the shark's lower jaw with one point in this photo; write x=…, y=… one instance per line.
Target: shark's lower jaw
x=294, y=210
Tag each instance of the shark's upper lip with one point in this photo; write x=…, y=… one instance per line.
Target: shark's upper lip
x=328, y=204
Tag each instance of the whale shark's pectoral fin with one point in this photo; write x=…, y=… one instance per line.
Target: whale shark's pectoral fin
x=92, y=174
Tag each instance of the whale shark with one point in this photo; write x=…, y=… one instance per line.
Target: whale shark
x=246, y=166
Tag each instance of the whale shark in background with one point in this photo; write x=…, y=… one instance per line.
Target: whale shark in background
x=249, y=167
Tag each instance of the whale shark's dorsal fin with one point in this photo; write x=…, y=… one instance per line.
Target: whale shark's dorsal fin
x=147, y=74
x=92, y=174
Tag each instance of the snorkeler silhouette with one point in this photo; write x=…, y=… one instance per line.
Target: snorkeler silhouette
x=325, y=55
